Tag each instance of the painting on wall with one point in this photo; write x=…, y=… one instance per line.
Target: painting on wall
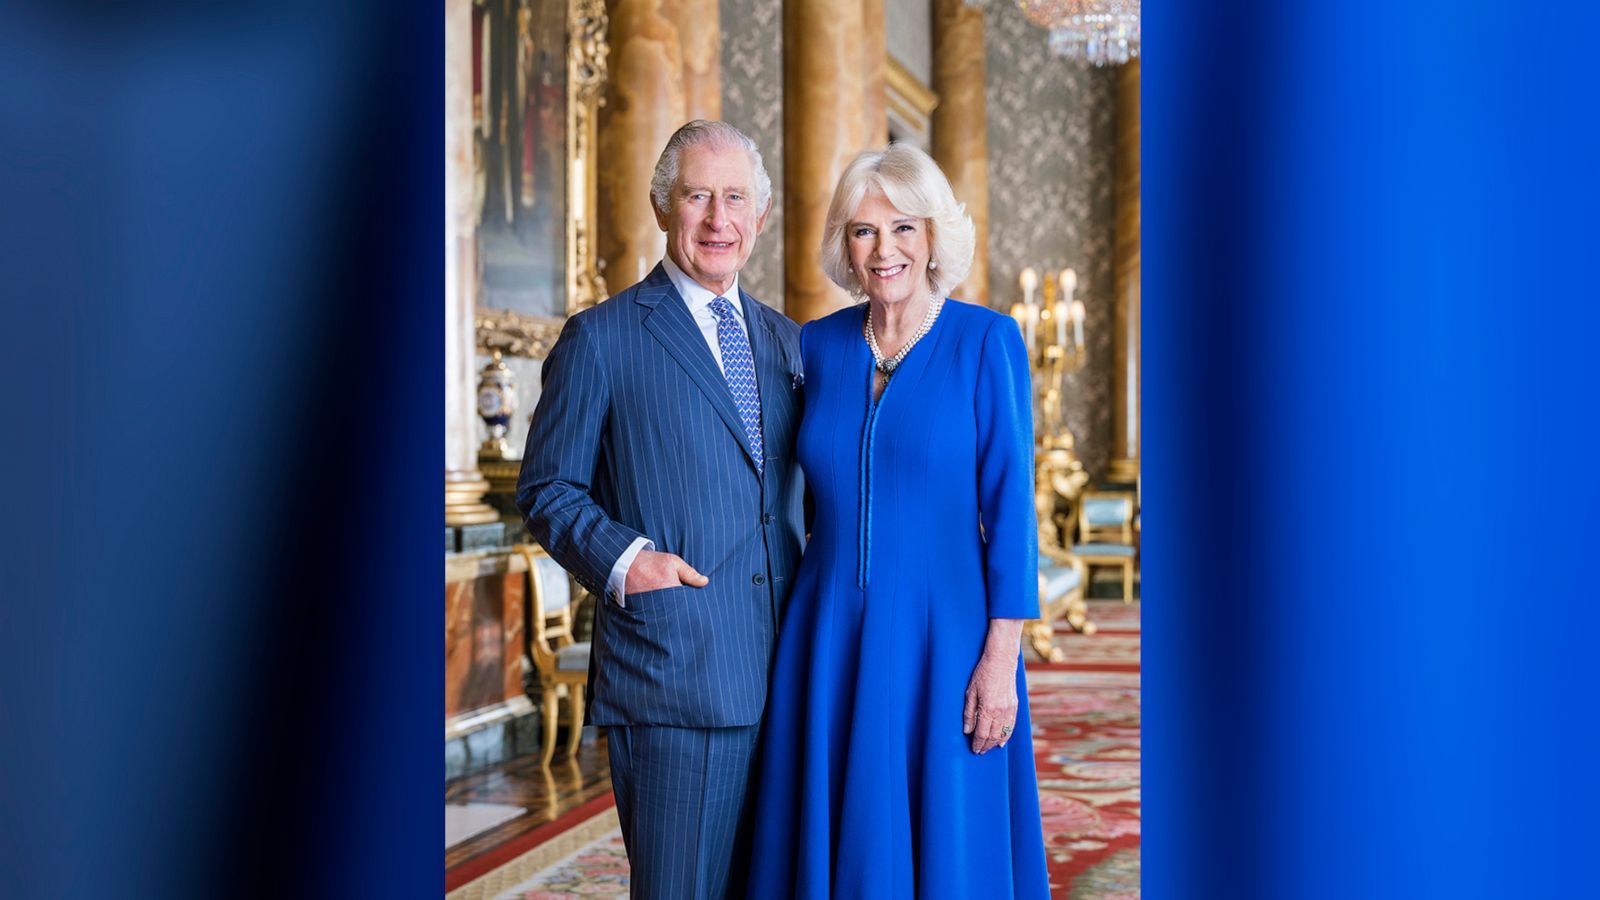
x=520, y=110
x=539, y=70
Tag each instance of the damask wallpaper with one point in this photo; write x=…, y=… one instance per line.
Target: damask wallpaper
x=1051, y=148
x=752, y=100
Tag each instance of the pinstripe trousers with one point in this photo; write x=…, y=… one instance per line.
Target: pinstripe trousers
x=682, y=799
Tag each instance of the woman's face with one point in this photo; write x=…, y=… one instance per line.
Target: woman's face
x=889, y=250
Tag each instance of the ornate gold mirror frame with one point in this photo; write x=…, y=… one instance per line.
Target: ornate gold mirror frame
x=517, y=334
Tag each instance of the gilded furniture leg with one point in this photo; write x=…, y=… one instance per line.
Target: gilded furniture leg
x=552, y=807
x=1042, y=637
x=575, y=732
x=549, y=725
x=1078, y=614
x=1077, y=609
x=1039, y=632
x=1127, y=582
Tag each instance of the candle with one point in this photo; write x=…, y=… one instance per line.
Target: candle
x=1069, y=284
x=1030, y=280
x=1077, y=323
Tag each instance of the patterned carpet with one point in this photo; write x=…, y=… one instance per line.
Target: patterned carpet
x=1086, y=742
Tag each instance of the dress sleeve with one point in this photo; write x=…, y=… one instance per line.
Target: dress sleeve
x=1005, y=474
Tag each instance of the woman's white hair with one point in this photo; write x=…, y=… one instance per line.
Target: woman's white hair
x=910, y=180
x=702, y=132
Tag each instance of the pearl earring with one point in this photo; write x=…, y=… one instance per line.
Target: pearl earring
x=932, y=266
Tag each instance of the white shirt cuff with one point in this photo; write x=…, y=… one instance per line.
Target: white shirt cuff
x=616, y=585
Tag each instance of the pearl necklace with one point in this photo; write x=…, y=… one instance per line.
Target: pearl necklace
x=887, y=366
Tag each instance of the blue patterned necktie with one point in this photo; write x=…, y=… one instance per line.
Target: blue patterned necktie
x=740, y=371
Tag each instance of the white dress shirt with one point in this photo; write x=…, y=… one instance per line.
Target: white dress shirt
x=699, y=298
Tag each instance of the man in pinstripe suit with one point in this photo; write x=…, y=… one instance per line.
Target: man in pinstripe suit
x=660, y=472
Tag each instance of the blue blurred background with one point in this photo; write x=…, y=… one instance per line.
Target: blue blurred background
x=1368, y=499
x=1369, y=487
x=221, y=666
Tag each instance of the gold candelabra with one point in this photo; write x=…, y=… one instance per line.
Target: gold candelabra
x=1052, y=329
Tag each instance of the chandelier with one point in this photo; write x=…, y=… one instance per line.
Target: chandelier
x=1103, y=32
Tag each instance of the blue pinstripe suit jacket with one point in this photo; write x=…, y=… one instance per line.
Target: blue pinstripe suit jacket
x=636, y=434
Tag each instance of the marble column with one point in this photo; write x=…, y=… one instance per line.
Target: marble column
x=1124, y=466
x=666, y=69
x=960, y=126
x=464, y=485
x=824, y=126
x=700, y=44
x=875, y=72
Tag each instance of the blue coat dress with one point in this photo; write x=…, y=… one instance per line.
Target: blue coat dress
x=924, y=530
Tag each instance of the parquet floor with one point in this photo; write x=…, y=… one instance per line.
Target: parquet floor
x=544, y=794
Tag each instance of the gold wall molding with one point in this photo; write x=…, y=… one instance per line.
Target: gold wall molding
x=908, y=104
x=587, y=67
x=516, y=334
x=907, y=94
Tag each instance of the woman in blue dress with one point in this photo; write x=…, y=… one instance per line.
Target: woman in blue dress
x=896, y=754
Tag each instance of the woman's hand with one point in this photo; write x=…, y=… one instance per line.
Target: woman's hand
x=991, y=709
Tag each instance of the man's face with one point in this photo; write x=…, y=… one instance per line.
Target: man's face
x=712, y=220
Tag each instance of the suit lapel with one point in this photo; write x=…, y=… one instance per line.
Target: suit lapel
x=670, y=323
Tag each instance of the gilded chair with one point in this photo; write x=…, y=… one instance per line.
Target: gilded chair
x=560, y=661
x=1058, y=481
x=1105, y=533
x=1063, y=579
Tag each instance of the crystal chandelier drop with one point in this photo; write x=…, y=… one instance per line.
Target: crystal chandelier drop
x=1103, y=32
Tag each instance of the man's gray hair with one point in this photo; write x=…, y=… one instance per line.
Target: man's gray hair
x=699, y=133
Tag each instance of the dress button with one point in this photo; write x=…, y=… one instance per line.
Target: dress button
x=760, y=579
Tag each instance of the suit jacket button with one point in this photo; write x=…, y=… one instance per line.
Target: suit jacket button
x=766, y=519
x=760, y=579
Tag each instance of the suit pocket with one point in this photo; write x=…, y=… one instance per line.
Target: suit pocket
x=658, y=603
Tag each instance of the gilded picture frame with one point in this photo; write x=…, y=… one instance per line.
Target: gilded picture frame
x=537, y=231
